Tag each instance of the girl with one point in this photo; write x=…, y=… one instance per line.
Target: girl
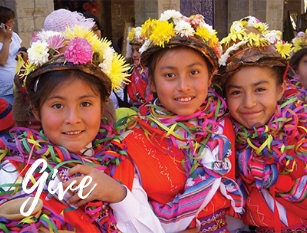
x=69, y=78
x=298, y=61
x=270, y=127
x=183, y=158
x=138, y=88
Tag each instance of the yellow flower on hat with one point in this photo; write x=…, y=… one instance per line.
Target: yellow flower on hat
x=162, y=33
x=283, y=49
x=172, y=24
x=252, y=33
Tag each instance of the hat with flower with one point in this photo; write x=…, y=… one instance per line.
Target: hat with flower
x=135, y=36
x=75, y=49
x=299, y=48
x=250, y=43
x=173, y=29
x=61, y=19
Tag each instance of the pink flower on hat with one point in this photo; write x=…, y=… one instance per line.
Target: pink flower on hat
x=79, y=51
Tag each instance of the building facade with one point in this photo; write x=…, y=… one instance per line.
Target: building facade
x=117, y=16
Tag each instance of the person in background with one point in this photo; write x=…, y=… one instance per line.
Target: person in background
x=118, y=97
x=6, y=119
x=10, y=43
x=298, y=60
x=57, y=21
x=270, y=127
x=182, y=146
x=68, y=87
x=138, y=88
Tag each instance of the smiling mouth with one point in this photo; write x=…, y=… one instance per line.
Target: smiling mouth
x=73, y=132
x=186, y=99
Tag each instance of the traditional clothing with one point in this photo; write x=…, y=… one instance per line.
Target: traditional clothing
x=133, y=214
x=273, y=169
x=271, y=158
x=185, y=166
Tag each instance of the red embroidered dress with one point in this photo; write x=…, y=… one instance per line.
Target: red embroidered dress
x=184, y=165
x=272, y=164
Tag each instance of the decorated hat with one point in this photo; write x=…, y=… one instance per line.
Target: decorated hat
x=6, y=115
x=299, y=48
x=60, y=19
x=135, y=36
x=250, y=43
x=173, y=29
x=75, y=49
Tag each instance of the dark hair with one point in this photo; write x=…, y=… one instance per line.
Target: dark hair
x=40, y=88
x=156, y=56
x=6, y=14
x=295, y=59
x=89, y=15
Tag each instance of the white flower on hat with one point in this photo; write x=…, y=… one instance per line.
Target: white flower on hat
x=273, y=36
x=184, y=28
x=171, y=14
x=145, y=46
x=44, y=35
x=106, y=65
x=137, y=32
x=38, y=53
x=226, y=54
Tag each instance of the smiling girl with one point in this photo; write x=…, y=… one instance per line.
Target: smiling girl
x=179, y=146
x=270, y=125
x=68, y=81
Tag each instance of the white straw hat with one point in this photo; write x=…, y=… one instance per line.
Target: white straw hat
x=60, y=19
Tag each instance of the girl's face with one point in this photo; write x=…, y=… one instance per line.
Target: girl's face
x=181, y=80
x=96, y=30
x=71, y=118
x=302, y=71
x=252, y=94
x=135, y=54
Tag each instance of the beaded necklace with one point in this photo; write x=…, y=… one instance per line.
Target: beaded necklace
x=29, y=145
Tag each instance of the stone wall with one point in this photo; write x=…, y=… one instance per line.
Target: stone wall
x=114, y=14
x=30, y=16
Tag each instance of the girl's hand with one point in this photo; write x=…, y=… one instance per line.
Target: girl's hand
x=107, y=189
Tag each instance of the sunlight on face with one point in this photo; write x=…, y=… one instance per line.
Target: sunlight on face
x=71, y=118
x=181, y=80
x=252, y=94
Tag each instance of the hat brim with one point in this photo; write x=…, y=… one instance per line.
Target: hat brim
x=250, y=56
x=59, y=63
x=189, y=42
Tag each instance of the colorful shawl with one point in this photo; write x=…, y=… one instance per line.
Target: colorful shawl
x=196, y=136
x=273, y=157
x=29, y=145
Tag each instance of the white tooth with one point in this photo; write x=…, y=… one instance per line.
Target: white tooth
x=185, y=99
x=71, y=133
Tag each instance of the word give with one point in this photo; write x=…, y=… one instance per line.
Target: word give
x=86, y=180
